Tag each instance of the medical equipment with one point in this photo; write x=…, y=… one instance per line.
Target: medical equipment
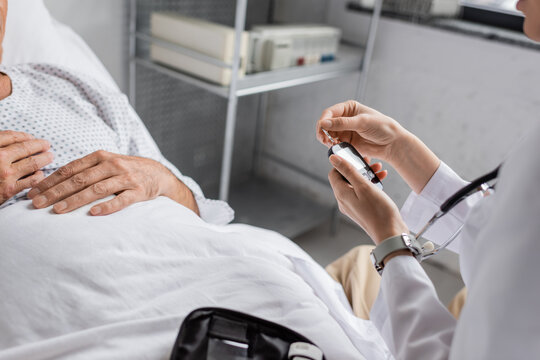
x=483, y=184
x=209, y=55
x=275, y=47
x=410, y=242
x=348, y=153
x=334, y=141
x=417, y=8
x=223, y=334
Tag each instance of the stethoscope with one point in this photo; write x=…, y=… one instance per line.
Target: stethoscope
x=482, y=185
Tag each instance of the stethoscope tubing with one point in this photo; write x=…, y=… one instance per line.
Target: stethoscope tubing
x=475, y=186
x=468, y=190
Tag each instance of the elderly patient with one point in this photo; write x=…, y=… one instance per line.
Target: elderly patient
x=114, y=275
x=100, y=146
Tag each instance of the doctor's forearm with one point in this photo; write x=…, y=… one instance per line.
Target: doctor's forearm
x=409, y=314
x=414, y=161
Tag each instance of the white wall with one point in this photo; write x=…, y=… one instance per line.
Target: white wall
x=102, y=25
x=469, y=99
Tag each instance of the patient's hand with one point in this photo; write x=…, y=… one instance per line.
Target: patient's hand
x=21, y=158
x=101, y=174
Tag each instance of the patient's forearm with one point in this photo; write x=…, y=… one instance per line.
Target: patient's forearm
x=187, y=199
x=180, y=193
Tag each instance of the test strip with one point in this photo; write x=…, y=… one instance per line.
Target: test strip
x=334, y=141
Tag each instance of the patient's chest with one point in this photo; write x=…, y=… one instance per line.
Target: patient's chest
x=76, y=115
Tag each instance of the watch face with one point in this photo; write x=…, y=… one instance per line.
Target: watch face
x=406, y=240
x=393, y=244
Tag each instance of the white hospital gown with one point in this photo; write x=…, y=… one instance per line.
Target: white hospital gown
x=78, y=116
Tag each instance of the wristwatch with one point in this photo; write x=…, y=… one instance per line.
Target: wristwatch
x=393, y=244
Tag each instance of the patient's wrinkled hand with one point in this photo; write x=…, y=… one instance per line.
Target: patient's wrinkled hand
x=21, y=158
x=101, y=174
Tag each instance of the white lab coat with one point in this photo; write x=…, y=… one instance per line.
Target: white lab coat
x=499, y=251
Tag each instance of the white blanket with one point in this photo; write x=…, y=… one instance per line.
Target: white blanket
x=118, y=287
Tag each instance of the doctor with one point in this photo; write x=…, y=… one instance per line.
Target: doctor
x=499, y=244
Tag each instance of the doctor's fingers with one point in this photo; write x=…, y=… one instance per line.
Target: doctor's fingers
x=73, y=185
x=346, y=109
x=341, y=188
x=92, y=193
x=377, y=169
x=358, y=123
x=350, y=173
x=69, y=170
x=343, y=192
x=32, y=164
x=338, y=137
x=382, y=174
x=8, y=137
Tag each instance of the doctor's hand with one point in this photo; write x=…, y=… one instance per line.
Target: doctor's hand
x=21, y=158
x=364, y=203
x=379, y=136
x=101, y=174
x=370, y=132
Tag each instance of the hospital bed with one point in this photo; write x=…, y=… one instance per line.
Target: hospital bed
x=118, y=287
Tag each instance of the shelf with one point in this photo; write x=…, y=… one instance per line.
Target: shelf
x=259, y=202
x=348, y=62
x=182, y=50
x=268, y=205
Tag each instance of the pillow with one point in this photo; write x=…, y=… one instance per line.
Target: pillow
x=34, y=36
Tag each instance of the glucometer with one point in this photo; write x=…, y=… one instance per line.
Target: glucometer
x=348, y=153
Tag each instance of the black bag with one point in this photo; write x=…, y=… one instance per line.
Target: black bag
x=221, y=334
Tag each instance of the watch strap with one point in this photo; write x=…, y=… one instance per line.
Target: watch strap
x=393, y=244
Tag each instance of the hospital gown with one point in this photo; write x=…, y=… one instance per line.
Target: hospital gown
x=78, y=116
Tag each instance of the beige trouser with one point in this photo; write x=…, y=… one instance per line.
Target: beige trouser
x=355, y=272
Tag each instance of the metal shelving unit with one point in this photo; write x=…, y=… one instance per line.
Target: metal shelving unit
x=252, y=84
x=349, y=60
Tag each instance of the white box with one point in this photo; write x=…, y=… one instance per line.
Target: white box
x=192, y=66
x=210, y=39
x=280, y=46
